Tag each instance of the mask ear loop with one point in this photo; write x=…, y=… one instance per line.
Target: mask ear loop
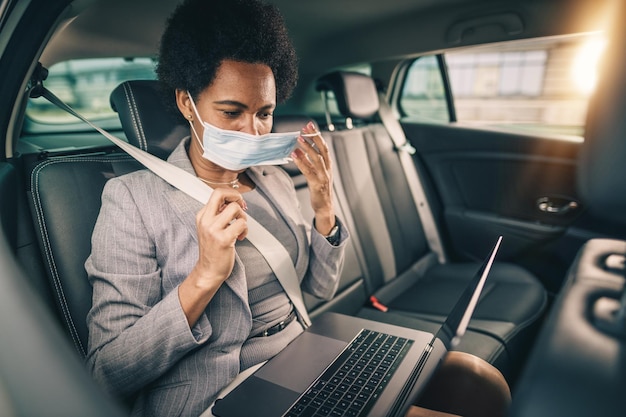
x=195, y=110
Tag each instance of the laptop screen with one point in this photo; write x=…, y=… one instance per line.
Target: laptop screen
x=457, y=321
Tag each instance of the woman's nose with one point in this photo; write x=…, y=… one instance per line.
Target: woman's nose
x=251, y=126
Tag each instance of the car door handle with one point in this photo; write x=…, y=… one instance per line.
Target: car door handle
x=556, y=205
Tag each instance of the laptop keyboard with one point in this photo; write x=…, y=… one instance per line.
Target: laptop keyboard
x=353, y=382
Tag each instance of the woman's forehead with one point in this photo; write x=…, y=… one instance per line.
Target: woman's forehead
x=243, y=82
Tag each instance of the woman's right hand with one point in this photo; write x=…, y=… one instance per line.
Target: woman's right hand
x=220, y=223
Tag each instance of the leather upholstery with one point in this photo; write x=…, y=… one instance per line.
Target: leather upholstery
x=66, y=197
x=66, y=202
x=577, y=367
x=41, y=375
x=145, y=121
x=355, y=93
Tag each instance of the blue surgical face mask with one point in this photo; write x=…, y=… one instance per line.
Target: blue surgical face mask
x=236, y=151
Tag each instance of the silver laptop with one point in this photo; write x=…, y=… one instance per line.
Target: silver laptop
x=348, y=366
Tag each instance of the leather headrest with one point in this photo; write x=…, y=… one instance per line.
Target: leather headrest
x=355, y=93
x=602, y=166
x=145, y=119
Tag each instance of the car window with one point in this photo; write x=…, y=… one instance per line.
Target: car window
x=423, y=94
x=538, y=87
x=85, y=85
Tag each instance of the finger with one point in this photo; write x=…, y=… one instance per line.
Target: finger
x=240, y=226
x=222, y=197
x=315, y=136
x=215, y=223
x=315, y=148
x=303, y=162
x=308, y=134
x=312, y=153
x=310, y=129
x=231, y=213
x=311, y=163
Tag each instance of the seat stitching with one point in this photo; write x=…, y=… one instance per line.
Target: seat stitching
x=50, y=258
x=134, y=113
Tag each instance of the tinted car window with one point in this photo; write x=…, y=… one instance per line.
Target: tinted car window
x=86, y=85
x=423, y=93
x=539, y=86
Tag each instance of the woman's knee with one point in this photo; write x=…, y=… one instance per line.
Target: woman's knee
x=467, y=385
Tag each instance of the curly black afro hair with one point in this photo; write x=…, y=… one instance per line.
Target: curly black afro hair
x=200, y=34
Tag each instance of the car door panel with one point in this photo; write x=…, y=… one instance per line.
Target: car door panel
x=492, y=182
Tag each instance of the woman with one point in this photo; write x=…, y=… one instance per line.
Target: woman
x=182, y=301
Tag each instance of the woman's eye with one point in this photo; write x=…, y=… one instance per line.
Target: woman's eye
x=231, y=114
x=266, y=115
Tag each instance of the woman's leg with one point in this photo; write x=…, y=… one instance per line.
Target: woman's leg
x=464, y=385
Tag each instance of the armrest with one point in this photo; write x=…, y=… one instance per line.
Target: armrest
x=578, y=366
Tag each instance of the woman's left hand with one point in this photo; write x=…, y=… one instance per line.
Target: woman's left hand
x=313, y=160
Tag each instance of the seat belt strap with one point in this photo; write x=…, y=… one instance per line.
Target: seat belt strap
x=405, y=151
x=270, y=248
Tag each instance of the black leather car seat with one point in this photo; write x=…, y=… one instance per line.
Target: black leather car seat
x=65, y=202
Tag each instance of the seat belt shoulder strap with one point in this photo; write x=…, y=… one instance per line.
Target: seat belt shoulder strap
x=405, y=151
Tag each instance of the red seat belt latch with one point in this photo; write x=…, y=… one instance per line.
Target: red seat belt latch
x=378, y=305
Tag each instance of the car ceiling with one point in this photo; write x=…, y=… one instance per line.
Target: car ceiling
x=327, y=33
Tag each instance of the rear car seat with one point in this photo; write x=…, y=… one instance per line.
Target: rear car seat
x=402, y=272
x=65, y=200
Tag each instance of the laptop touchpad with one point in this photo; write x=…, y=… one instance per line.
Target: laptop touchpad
x=297, y=366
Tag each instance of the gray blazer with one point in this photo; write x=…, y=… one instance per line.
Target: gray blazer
x=143, y=246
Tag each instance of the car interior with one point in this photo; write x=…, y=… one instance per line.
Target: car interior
x=552, y=315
